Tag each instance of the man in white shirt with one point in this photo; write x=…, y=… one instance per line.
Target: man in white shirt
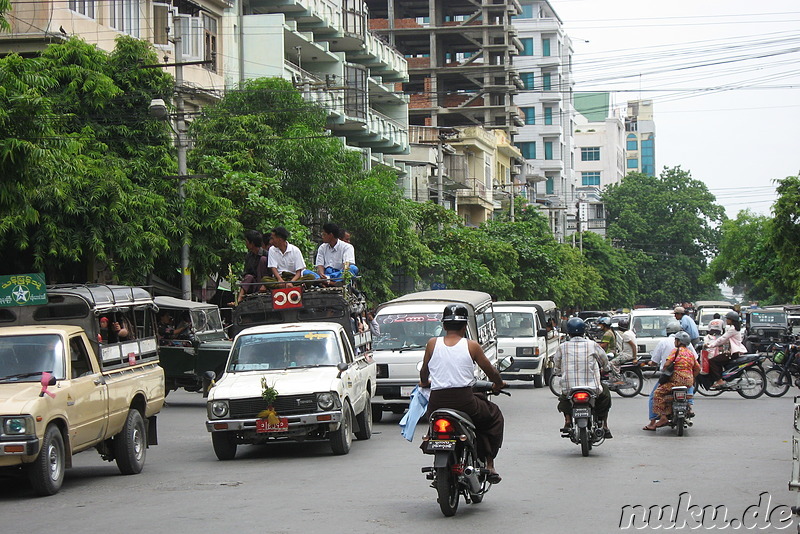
x=334, y=256
x=284, y=261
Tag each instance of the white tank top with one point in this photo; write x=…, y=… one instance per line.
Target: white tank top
x=451, y=367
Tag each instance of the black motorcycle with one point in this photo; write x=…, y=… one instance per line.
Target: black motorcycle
x=744, y=375
x=785, y=369
x=587, y=431
x=456, y=470
x=680, y=417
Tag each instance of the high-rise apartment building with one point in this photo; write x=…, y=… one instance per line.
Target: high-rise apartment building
x=545, y=140
x=640, y=137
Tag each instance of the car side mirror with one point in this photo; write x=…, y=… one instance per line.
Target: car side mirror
x=342, y=367
x=542, y=332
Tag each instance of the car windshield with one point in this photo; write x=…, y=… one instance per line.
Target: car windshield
x=514, y=324
x=285, y=350
x=651, y=325
x=776, y=318
x=406, y=330
x=206, y=320
x=24, y=358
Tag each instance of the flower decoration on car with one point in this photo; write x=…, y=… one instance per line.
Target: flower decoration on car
x=269, y=394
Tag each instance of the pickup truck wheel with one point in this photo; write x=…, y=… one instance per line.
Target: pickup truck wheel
x=342, y=439
x=224, y=445
x=364, y=420
x=47, y=472
x=130, y=445
x=377, y=414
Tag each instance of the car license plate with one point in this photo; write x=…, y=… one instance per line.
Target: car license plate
x=442, y=445
x=405, y=391
x=581, y=412
x=263, y=426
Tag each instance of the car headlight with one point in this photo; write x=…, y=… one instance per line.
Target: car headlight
x=219, y=408
x=326, y=401
x=759, y=332
x=18, y=426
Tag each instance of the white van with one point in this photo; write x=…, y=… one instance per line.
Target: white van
x=650, y=327
x=522, y=333
x=406, y=324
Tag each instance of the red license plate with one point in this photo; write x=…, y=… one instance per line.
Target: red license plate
x=263, y=426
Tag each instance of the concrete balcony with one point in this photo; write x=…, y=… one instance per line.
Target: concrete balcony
x=542, y=25
x=319, y=16
x=550, y=96
x=378, y=132
x=550, y=165
x=382, y=59
x=475, y=193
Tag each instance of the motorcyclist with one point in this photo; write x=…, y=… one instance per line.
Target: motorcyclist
x=658, y=358
x=685, y=370
x=448, y=368
x=579, y=362
x=732, y=336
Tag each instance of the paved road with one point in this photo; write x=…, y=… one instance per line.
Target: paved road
x=736, y=450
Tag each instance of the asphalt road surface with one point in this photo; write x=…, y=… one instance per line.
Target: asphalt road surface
x=736, y=450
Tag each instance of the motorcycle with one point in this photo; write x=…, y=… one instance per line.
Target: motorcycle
x=786, y=368
x=680, y=417
x=586, y=430
x=633, y=381
x=457, y=471
x=744, y=375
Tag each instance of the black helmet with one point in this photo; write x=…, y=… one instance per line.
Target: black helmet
x=624, y=323
x=576, y=326
x=733, y=316
x=455, y=313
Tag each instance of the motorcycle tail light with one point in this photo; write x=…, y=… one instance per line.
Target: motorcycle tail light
x=581, y=397
x=679, y=395
x=443, y=426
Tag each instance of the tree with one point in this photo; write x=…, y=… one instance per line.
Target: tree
x=618, y=270
x=784, y=238
x=5, y=7
x=673, y=219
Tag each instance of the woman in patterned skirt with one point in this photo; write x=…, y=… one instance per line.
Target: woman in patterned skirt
x=686, y=369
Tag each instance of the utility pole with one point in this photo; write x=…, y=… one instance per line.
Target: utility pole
x=180, y=144
x=512, y=200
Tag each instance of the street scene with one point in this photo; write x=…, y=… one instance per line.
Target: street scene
x=736, y=450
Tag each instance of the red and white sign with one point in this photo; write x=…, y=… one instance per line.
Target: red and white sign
x=131, y=358
x=263, y=426
x=287, y=297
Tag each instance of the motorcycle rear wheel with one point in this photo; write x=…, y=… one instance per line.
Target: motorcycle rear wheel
x=753, y=374
x=583, y=435
x=701, y=389
x=635, y=380
x=776, y=384
x=447, y=489
x=679, y=425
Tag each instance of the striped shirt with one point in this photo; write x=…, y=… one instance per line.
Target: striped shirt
x=579, y=362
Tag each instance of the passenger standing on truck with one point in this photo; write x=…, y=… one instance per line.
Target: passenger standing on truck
x=334, y=256
x=285, y=261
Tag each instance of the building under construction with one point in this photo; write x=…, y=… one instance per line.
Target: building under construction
x=459, y=56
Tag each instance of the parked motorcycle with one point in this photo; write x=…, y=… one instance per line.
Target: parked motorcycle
x=457, y=471
x=785, y=369
x=680, y=417
x=744, y=375
x=586, y=430
x=632, y=381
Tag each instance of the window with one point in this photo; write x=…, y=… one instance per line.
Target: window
x=527, y=46
x=124, y=15
x=546, y=47
x=590, y=178
x=527, y=12
x=548, y=115
x=546, y=84
x=548, y=186
x=528, y=149
x=590, y=153
x=548, y=150
x=599, y=213
x=84, y=7
x=530, y=115
x=80, y=365
x=527, y=79
x=190, y=36
x=160, y=24
x=210, y=42
x=633, y=163
x=632, y=143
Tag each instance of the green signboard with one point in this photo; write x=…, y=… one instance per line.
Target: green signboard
x=22, y=290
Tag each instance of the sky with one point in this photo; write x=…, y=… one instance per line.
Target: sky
x=724, y=77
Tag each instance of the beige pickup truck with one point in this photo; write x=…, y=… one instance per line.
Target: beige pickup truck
x=63, y=391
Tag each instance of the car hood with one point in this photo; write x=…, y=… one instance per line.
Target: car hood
x=287, y=382
x=18, y=398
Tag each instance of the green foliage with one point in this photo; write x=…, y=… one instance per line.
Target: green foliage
x=5, y=7
x=673, y=219
x=785, y=238
x=618, y=270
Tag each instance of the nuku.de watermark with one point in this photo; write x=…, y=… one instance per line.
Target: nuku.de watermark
x=688, y=516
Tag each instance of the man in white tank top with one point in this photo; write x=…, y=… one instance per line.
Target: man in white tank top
x=448, y=368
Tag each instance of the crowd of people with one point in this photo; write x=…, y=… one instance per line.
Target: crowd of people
x=275, y=262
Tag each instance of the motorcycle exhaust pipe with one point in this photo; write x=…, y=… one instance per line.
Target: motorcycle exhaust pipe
x=471, y=474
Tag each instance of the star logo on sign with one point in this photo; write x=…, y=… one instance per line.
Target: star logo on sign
x=21, y=294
